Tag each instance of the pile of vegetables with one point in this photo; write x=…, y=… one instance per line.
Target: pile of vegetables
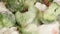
x=29, y=16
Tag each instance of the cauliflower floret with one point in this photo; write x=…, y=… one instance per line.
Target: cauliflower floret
x=12, y=30
x=49, y=28
x=41, y=7
x=2, y=7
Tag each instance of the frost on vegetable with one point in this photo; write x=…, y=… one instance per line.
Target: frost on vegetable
x=24, y=18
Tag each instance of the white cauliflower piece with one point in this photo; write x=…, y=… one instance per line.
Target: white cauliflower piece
x=49, y=28
x=41, y=7
x=12, y=30
x=2, y=7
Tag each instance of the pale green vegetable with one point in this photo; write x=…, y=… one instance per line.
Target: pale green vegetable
x=19, y=5
x=48, y=18
x=51, y=9
x=24, y=18
x=30, y=29
x=29, y=2
x=7, y=19
x=15, y=5
x=50, y=14
x=57, y=12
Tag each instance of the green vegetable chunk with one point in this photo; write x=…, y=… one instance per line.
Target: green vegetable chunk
x=19, y=5
x=51, y=13
x=30, y=29
x=7, y=19
x=24, y=18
